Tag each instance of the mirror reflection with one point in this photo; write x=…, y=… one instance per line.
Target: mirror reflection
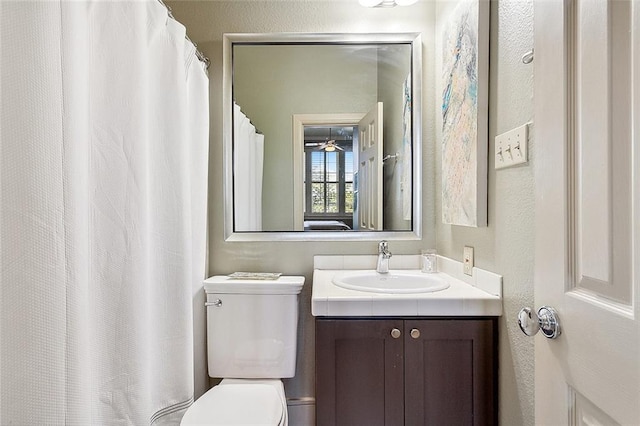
x=323, y=135
x=329, y=164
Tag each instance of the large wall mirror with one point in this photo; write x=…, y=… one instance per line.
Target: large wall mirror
x=322, y=136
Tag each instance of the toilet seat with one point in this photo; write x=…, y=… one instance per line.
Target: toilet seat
x=233, y=403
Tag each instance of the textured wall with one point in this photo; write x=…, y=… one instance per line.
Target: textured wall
x=506, y=245
x=206, y=21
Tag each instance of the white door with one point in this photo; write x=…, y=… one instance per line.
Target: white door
x=370, y=170
x=587, y=170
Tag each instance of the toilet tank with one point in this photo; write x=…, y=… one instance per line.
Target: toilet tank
x=252, y=326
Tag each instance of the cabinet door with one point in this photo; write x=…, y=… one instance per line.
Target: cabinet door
x=450, y=372
x=359, y=373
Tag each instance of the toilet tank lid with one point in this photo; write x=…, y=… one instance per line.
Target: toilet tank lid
x=283, y=285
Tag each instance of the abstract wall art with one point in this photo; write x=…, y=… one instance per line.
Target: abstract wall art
x=465, y=53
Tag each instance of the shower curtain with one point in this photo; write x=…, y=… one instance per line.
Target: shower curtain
x=104, y=144
x=248, y=167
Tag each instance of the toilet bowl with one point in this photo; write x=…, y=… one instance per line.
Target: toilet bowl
x=251, y=344
x=240, y=402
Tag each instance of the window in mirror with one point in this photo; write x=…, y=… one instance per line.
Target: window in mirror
x=328, y=183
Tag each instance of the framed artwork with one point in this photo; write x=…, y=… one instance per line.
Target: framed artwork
x=465, y=74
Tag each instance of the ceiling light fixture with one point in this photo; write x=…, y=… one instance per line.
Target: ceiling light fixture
x=386, y=3
x=329, y=145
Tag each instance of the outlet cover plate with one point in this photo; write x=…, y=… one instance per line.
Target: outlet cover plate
x=467, y=260
x=511, y=148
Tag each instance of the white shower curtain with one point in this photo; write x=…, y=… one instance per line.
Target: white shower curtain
x=248, y=167
x=104, y=141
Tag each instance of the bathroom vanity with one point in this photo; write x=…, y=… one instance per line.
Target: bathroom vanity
x=388, y=358
x=397, y=371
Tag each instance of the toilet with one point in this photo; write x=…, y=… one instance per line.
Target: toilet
x=251, y=344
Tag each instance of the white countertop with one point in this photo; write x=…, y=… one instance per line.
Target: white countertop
x=476, y=295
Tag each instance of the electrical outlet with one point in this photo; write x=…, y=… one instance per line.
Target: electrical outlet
x=511, y=147
x=467, y=260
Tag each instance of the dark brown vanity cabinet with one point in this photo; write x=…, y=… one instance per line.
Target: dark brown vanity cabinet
x=406, y=371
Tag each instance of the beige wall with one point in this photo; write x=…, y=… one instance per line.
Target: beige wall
x=206, y=22
x=505, y=246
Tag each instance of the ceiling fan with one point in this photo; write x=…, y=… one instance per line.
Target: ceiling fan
x=330, y=146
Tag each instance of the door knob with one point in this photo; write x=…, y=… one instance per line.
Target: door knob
x=546, y=320
x=415, y=333
x=395, y=333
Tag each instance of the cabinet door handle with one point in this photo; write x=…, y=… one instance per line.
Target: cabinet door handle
x=415, y=333
x=395, y=333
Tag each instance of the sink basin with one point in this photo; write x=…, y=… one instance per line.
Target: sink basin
x=394, y=282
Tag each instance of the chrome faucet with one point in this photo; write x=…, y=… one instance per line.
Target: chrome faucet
x=383, y=257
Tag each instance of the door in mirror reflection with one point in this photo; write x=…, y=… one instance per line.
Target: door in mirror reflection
x=343, y=188
x=370, y=129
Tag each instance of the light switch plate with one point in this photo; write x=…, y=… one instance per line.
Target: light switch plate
x=467, y=260
x=511, y=148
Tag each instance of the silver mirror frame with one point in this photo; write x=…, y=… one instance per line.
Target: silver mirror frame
x=227, y=92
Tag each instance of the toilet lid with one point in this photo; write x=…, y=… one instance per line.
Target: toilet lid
x=236, y=405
